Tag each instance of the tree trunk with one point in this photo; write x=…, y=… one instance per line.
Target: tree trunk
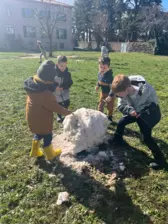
x=134, y=36
x=156, y=38
x=90, y=35
x=98, y=40
x=50, y=47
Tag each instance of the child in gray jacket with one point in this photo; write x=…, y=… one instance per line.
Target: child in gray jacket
x=64, y=80
x=138, y=103
x=43, y=51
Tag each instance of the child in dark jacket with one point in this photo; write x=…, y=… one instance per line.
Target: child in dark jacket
x=40, y=106
x=105, y=78
x=64, y=80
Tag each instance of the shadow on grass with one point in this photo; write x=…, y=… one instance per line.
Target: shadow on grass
x=111, y=206
x=132, y=133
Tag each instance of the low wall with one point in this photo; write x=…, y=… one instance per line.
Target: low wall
x=145, y=47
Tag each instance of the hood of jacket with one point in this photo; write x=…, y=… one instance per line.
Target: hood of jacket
x=33, y=86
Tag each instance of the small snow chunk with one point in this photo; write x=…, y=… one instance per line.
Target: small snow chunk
x=153, y=165
x=103, y=155
x=51, y=175
x=122, y=166
x=62, y=197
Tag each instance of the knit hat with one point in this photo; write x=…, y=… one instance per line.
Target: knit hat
x=47, y=71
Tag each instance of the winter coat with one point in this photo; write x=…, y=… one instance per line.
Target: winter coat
x=106, y=78
x=40, y=106
x=41, y=47
x=64, y=81
x=104, y=51
x=144, y=101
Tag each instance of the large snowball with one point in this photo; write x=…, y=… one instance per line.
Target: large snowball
x=85, y=129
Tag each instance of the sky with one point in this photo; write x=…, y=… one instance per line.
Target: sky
x=69, y=1
x=165, y=4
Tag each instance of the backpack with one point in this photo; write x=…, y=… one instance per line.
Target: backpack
x=136, y=80
x=151, y=114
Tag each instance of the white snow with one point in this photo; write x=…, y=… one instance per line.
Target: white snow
x=85, y=128
x=122, y=166
x=62, y=197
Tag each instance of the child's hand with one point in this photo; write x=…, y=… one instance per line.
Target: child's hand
x=108, y=99
x=134, y=114
x=59, y=89
x=71, y=113
x=97, y=88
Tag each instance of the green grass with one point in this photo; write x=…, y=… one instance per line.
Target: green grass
x=28, y=194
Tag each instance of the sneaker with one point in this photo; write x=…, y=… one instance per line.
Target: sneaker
x=154, y=165
x=116, y=140
x=110, y=118
x=83, y=153
x=158, y=165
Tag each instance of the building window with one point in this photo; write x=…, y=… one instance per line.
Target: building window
x=43, y=33
x=61, y=33
x=43, y=14
x=29, y=31
x=61, y=46
x=10, y=30
x=27, y=13
x=8, y=12
x=61, y=17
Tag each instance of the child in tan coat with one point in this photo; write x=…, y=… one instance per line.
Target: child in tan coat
x=40, y=106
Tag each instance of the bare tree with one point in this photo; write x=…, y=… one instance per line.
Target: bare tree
x=48, y=18
x=155, y=22
x=100, y=27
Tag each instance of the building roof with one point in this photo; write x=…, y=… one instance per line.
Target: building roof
x=53, y=2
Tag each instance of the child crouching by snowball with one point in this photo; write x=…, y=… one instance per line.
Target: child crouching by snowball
x=137, y=101
x=40, y=106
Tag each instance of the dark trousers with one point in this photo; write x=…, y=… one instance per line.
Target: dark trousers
x=64, y=104
x=146, y=134
x=47, y=139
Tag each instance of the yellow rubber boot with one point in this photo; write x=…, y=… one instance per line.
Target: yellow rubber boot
x=51, y=153
x=35, y=150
